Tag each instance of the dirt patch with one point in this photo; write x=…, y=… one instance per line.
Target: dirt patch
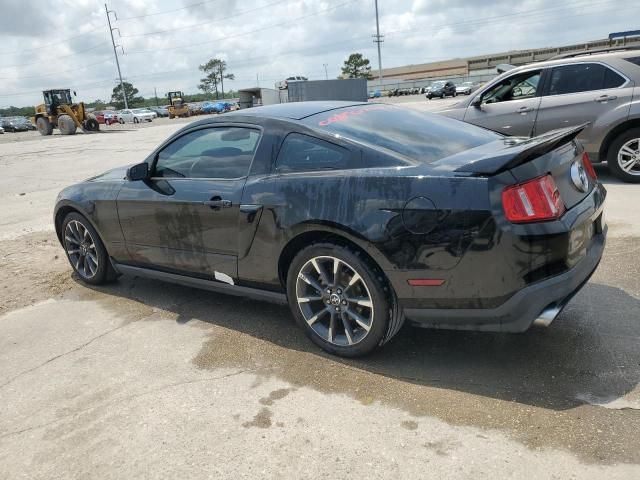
x=33, y=268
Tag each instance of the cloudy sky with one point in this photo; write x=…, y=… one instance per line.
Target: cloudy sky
x=67, y=43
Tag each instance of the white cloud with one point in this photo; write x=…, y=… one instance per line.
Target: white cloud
x=271, y=38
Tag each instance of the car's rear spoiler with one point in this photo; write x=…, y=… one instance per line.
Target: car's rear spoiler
x=521, y=151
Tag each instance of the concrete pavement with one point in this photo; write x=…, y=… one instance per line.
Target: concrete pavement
x=144, y=379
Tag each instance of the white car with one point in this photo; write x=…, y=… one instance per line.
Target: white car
x=1, y=130
x=146, y=110
x=136, y=115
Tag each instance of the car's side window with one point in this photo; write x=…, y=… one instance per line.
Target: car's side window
x=579, y=77
x=516, y=87
x=612, y=79
x=217, y=152
x=582, y=77
x=302, y=153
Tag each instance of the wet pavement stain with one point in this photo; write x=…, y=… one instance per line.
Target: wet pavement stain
x=409, y=425
x=531, y=386
x=275, y=395
x=262, y=419
x=527, y=385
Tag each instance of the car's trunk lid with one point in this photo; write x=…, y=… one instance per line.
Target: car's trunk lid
x=525, y=158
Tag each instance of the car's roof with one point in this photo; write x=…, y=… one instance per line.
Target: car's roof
x=579, y=58
x=293, y=110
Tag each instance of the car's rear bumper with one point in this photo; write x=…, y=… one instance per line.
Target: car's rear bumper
x=545, y=298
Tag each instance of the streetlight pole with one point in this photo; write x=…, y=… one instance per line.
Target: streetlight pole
x=326, y=75
x=115, y=52
x=222, y=81
x=378, y=39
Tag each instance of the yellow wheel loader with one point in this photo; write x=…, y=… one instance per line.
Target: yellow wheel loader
x=177, y=107
x=59, y=111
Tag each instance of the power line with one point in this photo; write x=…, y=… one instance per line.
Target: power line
x=196, y=25
x=56, y=57
x=58, y=40
x=312, y=14
x=166, y=11
x=483, y=20
x=48, y=75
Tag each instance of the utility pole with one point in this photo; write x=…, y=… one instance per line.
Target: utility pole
x=155, y=94
x=378, y=39
x=257, y=80
x=115, y=52
x=221, y=81
x=326, y=75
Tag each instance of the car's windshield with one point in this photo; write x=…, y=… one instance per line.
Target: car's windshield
x=466, y=84
x=140, y=110
x=415, y=135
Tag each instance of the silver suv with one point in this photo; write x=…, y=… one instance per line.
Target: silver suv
x=602, y=89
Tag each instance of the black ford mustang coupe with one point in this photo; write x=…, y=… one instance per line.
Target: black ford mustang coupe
x=358, y=215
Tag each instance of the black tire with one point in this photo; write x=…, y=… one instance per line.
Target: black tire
x=384, y=319
x=135, y=120
x=92, y=125
x=612, y=156
x=104, y=271
x=429, y=97
x=121, y=121
x=66, y=125
x=44, y=126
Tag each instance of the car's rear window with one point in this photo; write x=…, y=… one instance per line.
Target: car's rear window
x=416, y=135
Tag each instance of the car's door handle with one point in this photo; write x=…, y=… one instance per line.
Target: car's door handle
x=525, y=110
x=217, y=203
x=605, y=98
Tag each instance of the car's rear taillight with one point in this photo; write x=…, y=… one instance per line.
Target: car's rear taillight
x=535, y=200
x=588, y=167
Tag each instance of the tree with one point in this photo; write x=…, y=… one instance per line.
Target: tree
x=356, y=66
x=130, y=91
x=215, y=74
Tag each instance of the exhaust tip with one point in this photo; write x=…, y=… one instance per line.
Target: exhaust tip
x=547, y=316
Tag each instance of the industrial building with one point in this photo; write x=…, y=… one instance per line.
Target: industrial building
x=482, y=68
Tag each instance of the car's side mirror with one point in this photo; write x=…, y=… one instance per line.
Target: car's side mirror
x=477, y=102
x=138, y=172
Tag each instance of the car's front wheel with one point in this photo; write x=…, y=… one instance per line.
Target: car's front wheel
x=624, y=156
x=136, y=120
x=340, y=300
x=85, y=251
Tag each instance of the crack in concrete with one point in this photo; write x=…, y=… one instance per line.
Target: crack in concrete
x=125, y=398
x=53, y=359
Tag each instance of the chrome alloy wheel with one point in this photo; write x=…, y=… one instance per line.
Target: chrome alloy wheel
x=81, y=249
x=334, y=300
x=629, y=157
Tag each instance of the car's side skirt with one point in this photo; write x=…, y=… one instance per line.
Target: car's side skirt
x=220, y=287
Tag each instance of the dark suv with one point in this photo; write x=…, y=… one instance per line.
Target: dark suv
x=441, y=89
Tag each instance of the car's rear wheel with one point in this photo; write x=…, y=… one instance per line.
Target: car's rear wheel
x=624, y=156
x=340, y=300
x=85, y=251
x=136, y=120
